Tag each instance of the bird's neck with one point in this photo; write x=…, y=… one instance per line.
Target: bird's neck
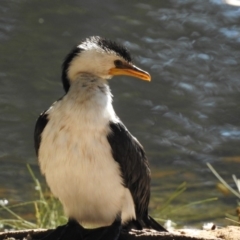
x=88, y=87
x=91, y=97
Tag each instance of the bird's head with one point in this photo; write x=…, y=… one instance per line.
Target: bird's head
x=100, y=57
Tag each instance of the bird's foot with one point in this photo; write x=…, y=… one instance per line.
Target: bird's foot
x=74, y=231
x=111, y=232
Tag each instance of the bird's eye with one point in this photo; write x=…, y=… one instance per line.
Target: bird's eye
x=118, y=63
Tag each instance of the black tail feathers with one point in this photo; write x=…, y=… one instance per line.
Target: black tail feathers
x=153, y=224
x=146, y=222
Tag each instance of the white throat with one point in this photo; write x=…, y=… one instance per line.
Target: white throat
x=90, y=96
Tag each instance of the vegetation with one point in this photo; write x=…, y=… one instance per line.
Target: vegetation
x=235, y=219
x=171, y=210
x=48, y=211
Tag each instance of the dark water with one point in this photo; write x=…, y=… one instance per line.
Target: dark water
x=187, y=116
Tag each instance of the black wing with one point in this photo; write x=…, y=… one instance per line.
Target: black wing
x=129, y=153
x=39, y=127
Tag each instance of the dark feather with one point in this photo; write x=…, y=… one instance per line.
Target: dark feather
x=151, y=223
x=130, y=155
x=39, y=127
x=65, y=66
x=107, y=45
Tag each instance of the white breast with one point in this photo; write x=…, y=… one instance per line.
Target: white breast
x=76, y=158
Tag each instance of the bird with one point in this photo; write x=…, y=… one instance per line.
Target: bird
x=91, y=162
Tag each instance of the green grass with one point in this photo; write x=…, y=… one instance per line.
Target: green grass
x=48, y=211
x=173, y=210
x=232, y=218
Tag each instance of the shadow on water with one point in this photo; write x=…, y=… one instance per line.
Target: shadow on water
x=187, y=116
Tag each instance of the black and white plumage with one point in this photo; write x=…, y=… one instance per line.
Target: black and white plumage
x=91, y=162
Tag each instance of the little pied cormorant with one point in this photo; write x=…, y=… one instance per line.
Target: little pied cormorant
x=91, y=162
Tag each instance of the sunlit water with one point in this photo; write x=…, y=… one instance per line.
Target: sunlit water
x=187, y=116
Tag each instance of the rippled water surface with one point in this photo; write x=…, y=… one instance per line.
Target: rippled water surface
x=187, y=116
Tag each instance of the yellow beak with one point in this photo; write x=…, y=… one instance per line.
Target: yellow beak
x=130, y=70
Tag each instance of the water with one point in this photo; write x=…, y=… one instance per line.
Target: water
x=187, y=116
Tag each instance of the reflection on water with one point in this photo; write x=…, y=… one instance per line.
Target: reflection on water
x=232, y=2
x=187, y=116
